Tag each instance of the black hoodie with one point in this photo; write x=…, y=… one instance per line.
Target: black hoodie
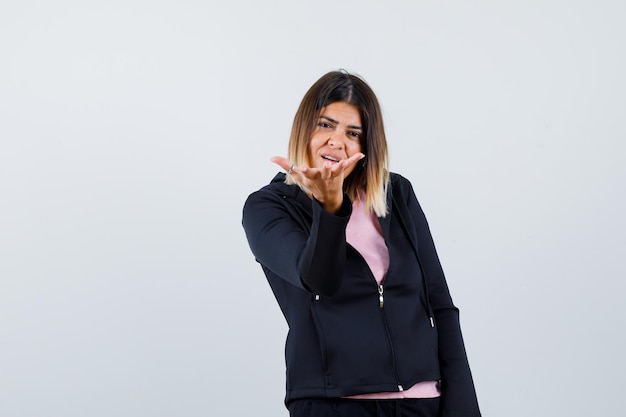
x=348, y=335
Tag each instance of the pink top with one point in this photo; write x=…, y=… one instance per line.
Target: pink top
x=366, y=236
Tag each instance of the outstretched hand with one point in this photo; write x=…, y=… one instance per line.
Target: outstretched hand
x=325, y=183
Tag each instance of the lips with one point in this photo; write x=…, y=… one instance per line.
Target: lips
x=331, y=158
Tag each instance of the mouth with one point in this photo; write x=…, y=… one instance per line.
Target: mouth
x=330, y=158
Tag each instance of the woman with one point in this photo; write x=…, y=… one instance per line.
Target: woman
x=348, y=254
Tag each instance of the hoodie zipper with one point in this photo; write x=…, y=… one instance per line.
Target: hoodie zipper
x=394, y=360
x=380, y=289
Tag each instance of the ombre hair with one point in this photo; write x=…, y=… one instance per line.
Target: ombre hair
x=371, y=174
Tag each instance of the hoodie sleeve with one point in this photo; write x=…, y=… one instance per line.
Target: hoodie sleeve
x=458, y=392
x=307, y=253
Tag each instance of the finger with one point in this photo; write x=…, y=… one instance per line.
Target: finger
x=355, y=158
x=282, y=162
x=345, y=163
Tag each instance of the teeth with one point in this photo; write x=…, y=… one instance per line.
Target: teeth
x=330, y=158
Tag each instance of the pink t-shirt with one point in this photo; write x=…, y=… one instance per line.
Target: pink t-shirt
x=366, y=236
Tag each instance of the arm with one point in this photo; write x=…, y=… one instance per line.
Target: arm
x=458, y=392
x=310, y=256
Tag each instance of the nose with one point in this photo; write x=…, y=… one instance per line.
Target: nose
x=336, y=140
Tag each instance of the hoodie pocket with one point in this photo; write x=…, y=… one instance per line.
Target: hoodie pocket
x=354, y=345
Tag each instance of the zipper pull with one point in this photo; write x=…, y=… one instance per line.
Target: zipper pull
x=381, y=301
x=432, y=322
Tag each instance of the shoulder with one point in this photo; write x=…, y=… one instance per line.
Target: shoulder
x=399, y=184
x=276, y=186
x=394, y=177
x=275, y=191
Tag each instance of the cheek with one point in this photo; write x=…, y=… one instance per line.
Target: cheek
x=355, y=147
x=313, y=143
x=316, y=142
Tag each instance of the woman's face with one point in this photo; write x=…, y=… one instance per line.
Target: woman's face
x=336, y=136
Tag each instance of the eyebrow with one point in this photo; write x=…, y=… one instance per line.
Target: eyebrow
x=336, y=122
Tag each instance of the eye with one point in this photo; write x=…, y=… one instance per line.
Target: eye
x=355, y=134
x=324, y=125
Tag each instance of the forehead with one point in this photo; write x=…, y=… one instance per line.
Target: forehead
x=342, y=112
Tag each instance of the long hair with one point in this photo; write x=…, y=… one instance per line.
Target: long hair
x=371, y=174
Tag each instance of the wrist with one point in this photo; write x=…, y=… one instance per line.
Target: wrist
x=333, y=207
x=331, y=204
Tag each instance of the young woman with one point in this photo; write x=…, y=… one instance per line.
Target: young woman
x=348, y=254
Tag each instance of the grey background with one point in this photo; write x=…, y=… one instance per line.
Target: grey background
x=132, y=131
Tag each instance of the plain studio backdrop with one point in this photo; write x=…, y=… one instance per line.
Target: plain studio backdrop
x=131, y=133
